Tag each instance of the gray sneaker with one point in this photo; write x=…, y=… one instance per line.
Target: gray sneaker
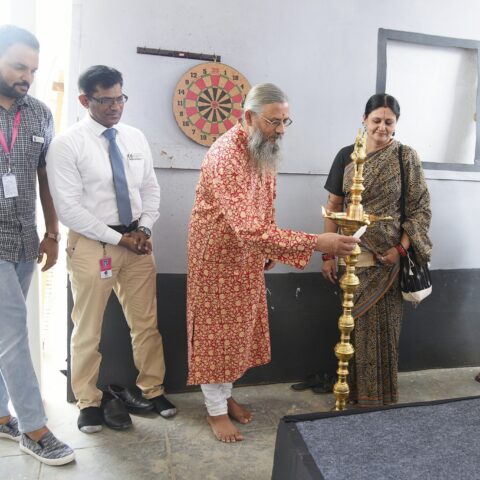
x=48, y=449
x=10, y=430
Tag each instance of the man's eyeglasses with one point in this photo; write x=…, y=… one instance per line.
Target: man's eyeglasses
x=286, y=122
x=109, y=100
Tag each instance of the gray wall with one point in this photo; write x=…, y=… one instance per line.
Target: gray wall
x=322, y=53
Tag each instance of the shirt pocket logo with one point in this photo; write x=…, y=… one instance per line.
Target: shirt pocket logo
x=135, y=156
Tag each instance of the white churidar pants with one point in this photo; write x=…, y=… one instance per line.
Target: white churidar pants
x=216, y=395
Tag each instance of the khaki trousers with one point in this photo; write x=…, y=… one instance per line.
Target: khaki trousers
x=134, y=282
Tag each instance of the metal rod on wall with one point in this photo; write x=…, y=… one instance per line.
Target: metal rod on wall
x=178, y=54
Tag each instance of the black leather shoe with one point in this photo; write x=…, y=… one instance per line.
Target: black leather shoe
x=326, y=385
x=132, y=399
x=115, y=414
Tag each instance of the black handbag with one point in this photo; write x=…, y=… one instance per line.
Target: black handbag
x=415, y=281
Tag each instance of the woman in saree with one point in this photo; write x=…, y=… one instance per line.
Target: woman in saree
x=378, y=300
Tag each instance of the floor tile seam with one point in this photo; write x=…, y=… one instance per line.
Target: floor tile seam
x=125, y=444
x=19, y=454
x=247, y=431
x=253, y=426
x=244, y=427
x=168, y=450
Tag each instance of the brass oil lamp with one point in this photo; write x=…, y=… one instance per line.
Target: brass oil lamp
x=349, y=223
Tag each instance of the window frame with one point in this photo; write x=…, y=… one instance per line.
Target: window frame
x=384, y=35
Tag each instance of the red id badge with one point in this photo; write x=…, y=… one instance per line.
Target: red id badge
x=106, y=267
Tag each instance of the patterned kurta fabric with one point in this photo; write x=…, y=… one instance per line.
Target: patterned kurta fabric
x=232, y=231
x=378, y=301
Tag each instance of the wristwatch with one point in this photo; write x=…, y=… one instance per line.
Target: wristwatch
x=146, y=231
x=53, y=236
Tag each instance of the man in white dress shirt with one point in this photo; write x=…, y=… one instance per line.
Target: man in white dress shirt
x=105, y=191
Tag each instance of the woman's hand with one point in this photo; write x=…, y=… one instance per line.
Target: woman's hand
x=390, y=257
x=329, y=270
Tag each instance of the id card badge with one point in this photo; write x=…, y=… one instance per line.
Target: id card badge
x=10, y=189
x=106, y=267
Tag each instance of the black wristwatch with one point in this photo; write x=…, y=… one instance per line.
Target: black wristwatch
x=146, y=231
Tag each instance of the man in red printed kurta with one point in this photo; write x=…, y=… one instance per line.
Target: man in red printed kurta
x=233, y=238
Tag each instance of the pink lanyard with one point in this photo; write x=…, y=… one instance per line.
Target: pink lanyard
x=3, y=142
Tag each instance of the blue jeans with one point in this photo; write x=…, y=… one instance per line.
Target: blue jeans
x=17, y=380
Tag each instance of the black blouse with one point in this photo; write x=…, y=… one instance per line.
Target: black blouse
x=334, y=183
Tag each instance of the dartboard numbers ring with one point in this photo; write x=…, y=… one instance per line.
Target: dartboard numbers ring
x=208, y=101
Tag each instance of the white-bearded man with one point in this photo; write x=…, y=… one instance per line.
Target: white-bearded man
x=233, y=239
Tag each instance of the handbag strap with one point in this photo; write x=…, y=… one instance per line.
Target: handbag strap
x=402, y=177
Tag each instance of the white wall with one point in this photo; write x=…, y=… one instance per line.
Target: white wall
x=323, y=53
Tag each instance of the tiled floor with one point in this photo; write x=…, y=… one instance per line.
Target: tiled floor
x=183, y=448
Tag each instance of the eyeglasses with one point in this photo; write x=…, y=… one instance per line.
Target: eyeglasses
x=109, y=100
x=286, y=122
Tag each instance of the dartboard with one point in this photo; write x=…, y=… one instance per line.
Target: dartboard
x=208, y=101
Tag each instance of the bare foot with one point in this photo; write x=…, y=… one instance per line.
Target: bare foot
x=224, y=429
x=238, y=412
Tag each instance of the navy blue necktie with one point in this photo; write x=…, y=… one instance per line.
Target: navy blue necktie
x=119, y=178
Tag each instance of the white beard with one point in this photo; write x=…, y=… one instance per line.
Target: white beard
x=264, y=154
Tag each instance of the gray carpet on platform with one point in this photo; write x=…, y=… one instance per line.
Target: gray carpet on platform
x=429, y=442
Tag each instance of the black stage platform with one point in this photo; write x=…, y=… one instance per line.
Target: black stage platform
x=430, y=440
